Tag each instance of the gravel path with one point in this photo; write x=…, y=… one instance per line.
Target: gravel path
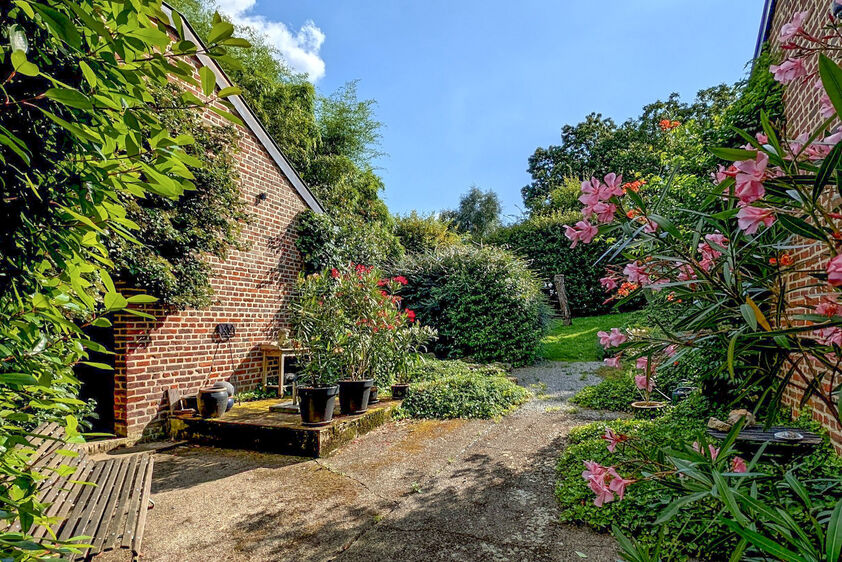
x=410, y=491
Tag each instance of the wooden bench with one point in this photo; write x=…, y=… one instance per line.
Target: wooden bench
x=104, y=500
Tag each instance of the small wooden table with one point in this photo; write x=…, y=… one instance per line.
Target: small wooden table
x=271, y=350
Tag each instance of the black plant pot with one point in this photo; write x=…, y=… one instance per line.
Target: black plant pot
x=353, y=396
x=316, y=404
x=372, y=397
x=399, y=391
x=212, y=402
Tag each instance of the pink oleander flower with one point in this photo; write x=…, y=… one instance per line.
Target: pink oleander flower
x=613, y=439
x=594, y=469
x=604, y=211
x=750, y=218
x=714, y=452
x=828, y=306
x=834, y=271
x=686, y=273
x=716, y=238
x=613, y=362
x=829, y=336
x=583, y=232
x=650, y=227
x=789, y=70
x=614, y=183
x=641, y=382
x=826, y=109
x=614, y=338
x=793, y=27
x=706, y=264
x=619, y=484
x=642, y=363
x=738, y=464
x=761, y=138
x=722, y=173
x=636, y=273
x=608, y=283
x=749, y=178
x=671, y=350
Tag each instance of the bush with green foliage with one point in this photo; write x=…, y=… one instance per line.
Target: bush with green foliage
x=424, y=233
x=179, y=235
x=79, y=133
x=467, y=394
x=484, y=302
x=328, y=240
x=540, y=241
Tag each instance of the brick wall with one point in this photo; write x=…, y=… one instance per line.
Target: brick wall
x=251, y=290
x=801, y=102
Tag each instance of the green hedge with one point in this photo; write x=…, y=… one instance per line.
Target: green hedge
x=485, y=303
x=541, y=242
x=435, y=369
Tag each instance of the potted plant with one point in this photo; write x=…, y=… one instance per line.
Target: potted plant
x=319, y=326
x=645, y=383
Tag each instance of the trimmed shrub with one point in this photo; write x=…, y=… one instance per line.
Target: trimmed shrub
x=421, y=233
x=484, y=301
x=471, y=395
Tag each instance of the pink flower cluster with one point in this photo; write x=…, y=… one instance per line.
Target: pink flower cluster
x=596, y=198
x=614, y=338
x=710, y=250
x=605, y=482
x=583, y=232
x=738, y=464
x=834, y=271
x=613, y=439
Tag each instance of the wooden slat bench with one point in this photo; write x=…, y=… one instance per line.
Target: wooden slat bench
x=112, y=511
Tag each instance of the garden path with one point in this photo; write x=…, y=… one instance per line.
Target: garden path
x=411, y=490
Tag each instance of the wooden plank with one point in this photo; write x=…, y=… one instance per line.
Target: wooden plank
x=81, y=502
x=89, y=517
x=134, y=510
x=113, y=495
x=65, y=502
x=144, y=507
x=55, y=492
x=112, y=533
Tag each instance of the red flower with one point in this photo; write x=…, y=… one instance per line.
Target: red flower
x=400, y=279
x=382, y=282
x=334, y=273
x=410, y=315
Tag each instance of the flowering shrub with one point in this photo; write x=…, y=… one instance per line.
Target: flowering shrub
x=734, y=279
x=354, y=325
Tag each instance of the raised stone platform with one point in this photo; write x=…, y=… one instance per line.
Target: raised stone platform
x=251, y=425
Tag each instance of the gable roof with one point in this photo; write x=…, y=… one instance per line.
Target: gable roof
x=247, y=115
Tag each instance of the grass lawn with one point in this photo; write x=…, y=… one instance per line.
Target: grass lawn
x=578, y=342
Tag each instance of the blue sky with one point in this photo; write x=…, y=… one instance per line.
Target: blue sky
x=468, y=89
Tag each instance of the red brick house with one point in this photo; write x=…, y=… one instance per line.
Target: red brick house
x=183, y=349
x=801, y=104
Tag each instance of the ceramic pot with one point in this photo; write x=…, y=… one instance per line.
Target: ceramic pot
x=353, y=396
x=316, y=404
x=372, y=397
x=399, y=391
x=226, y=385
x=212, y=402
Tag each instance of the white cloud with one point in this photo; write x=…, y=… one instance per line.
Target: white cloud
x=300, y=49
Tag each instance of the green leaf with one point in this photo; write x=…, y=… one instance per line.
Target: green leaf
x=208, y=80
x=23, y=66
x=59, y=24
x=763, y=543
x=17, y=38
x=229, y=91
x=800, y=227
x=672, y=509
x=829, y=165
x=236, y=42
x=833, y=545
x=734, y=154
x=831, y=76
x=115, y=301
x=142, y=299
x=17, y=378
x=88, y=73
x=152, y=36
x=221, y=31
x=70, y=98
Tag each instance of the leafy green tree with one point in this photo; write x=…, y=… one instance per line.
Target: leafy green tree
x=421, y=233
x=478, y=213
x=79, y=132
